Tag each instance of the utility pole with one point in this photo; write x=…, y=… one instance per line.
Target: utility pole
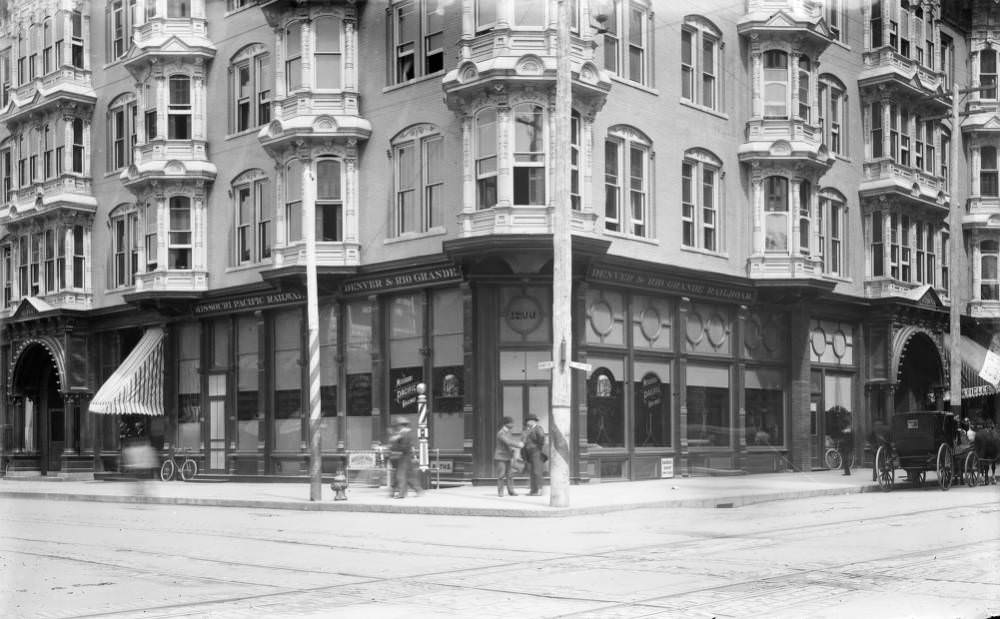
x=312, y=325
x=562, y=271
x=955, y=250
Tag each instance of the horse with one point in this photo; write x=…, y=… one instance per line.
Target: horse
x=987, y=447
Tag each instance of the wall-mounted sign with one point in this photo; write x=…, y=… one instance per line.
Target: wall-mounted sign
x=523, y=314
x=247, y=303
x=361, y=460
x=666, y=468
x=678, y=285
x=405, y=279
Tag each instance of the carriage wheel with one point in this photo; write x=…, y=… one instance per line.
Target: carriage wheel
x=971, y=469
x=833, y=461
x=945, y=457
x=884, y=471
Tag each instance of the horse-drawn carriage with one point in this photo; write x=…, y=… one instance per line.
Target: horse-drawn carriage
x=920, y=441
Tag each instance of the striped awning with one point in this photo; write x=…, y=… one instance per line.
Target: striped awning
x=973, y=385
x=136, y=387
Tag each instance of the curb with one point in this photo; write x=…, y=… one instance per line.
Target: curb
x=442, y=510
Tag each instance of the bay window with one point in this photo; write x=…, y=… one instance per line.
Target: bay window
x=775, y=84
x=329, y=201
x=293, y=56
x=988, y=182
x=293, y=201
x=329, y=53
x=529, y=154
x=805, y=108
x=988, y=73
x=805, y=216
x=989, y=280
x=776, y=214
x=179, y=110
x=179, y=234
x=486, y=158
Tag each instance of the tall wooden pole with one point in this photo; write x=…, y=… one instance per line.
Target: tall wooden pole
x=562, y=271
x=955, y=257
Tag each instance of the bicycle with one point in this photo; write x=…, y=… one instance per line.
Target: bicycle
x=834, y=459
x=187, y=469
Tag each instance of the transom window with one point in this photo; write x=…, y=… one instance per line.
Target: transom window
x=419, y=172
x=700, y=200
x=627, y=179
x=417, y=39
x=701, y=51
x=254, y=210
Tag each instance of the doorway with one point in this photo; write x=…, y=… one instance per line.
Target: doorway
x=520, y=398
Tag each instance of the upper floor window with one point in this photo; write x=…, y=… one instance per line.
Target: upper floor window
x=805, y=108
x=6, y=174
x=5, y=84
x=627, y=180
x=329, y=53
x=48, y=58
x=417, y=39
x=700, y=200
x=626, y=41
x=78, y=154
x=125, y=242
x=831, y=228
x=121, y=18
x=485, y=14
x=232, y=5
x=177, y=8
x=945, y=152
x=329, y=200
x=574, y=161
x=946, y=60
x=988, y=185
x=988, y=73
x=179, y=234
x=179, y=110
x=151, y=221
x=293, y=56
x=989, y=280
x=419, y=181
x=836, y=19
x=6, y=275
x=254, y=217
x=831, y=103
x=775, y=84
x=529, y=13
x=486, y=158
x=122, y=117
x=701, y=51
x=250, y=73
x=529, y=154
x=776, y=214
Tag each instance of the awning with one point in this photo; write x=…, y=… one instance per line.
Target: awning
x=973, y=385
x=136, y=387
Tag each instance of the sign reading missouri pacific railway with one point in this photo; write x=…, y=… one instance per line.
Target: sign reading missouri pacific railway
x=406, y=279
x=671, y=284
x=250, y=302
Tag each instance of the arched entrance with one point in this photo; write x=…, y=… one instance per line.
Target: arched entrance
x=39, y=414
x=920, y=377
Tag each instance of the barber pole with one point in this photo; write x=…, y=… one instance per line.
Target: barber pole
x=422, y=433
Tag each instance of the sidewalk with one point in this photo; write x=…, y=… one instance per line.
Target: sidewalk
x=592, y=498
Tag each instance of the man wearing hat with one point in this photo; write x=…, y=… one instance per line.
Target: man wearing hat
x=534, y=453
x=402, y=451
x=503, y=453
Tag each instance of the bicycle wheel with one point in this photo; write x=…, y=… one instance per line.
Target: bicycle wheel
x=189, y=469
x=833, y=461
x=167, y=469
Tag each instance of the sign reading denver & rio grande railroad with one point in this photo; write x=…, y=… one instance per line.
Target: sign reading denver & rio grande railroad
x=667, y=283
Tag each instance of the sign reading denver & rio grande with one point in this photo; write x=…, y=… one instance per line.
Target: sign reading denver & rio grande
x=407, y=279
x=677, y=285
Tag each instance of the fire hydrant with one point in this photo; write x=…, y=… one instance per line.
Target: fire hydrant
x=339, y=485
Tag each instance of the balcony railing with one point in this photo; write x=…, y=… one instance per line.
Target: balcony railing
x=886, y=61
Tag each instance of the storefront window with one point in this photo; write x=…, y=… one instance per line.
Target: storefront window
x=247, y=421
x=651, y=384
x=406, y=364
x=328, y=376
x=359, y=375
x=765, y=408
x=708, y=419
x=837, y=406
x=447, y=380
x=287, y=380
x=188, y=388
x=606, y=403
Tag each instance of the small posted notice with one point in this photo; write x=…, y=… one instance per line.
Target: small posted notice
x=666, y=468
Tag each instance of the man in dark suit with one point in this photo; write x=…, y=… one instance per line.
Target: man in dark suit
x=534, y=453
